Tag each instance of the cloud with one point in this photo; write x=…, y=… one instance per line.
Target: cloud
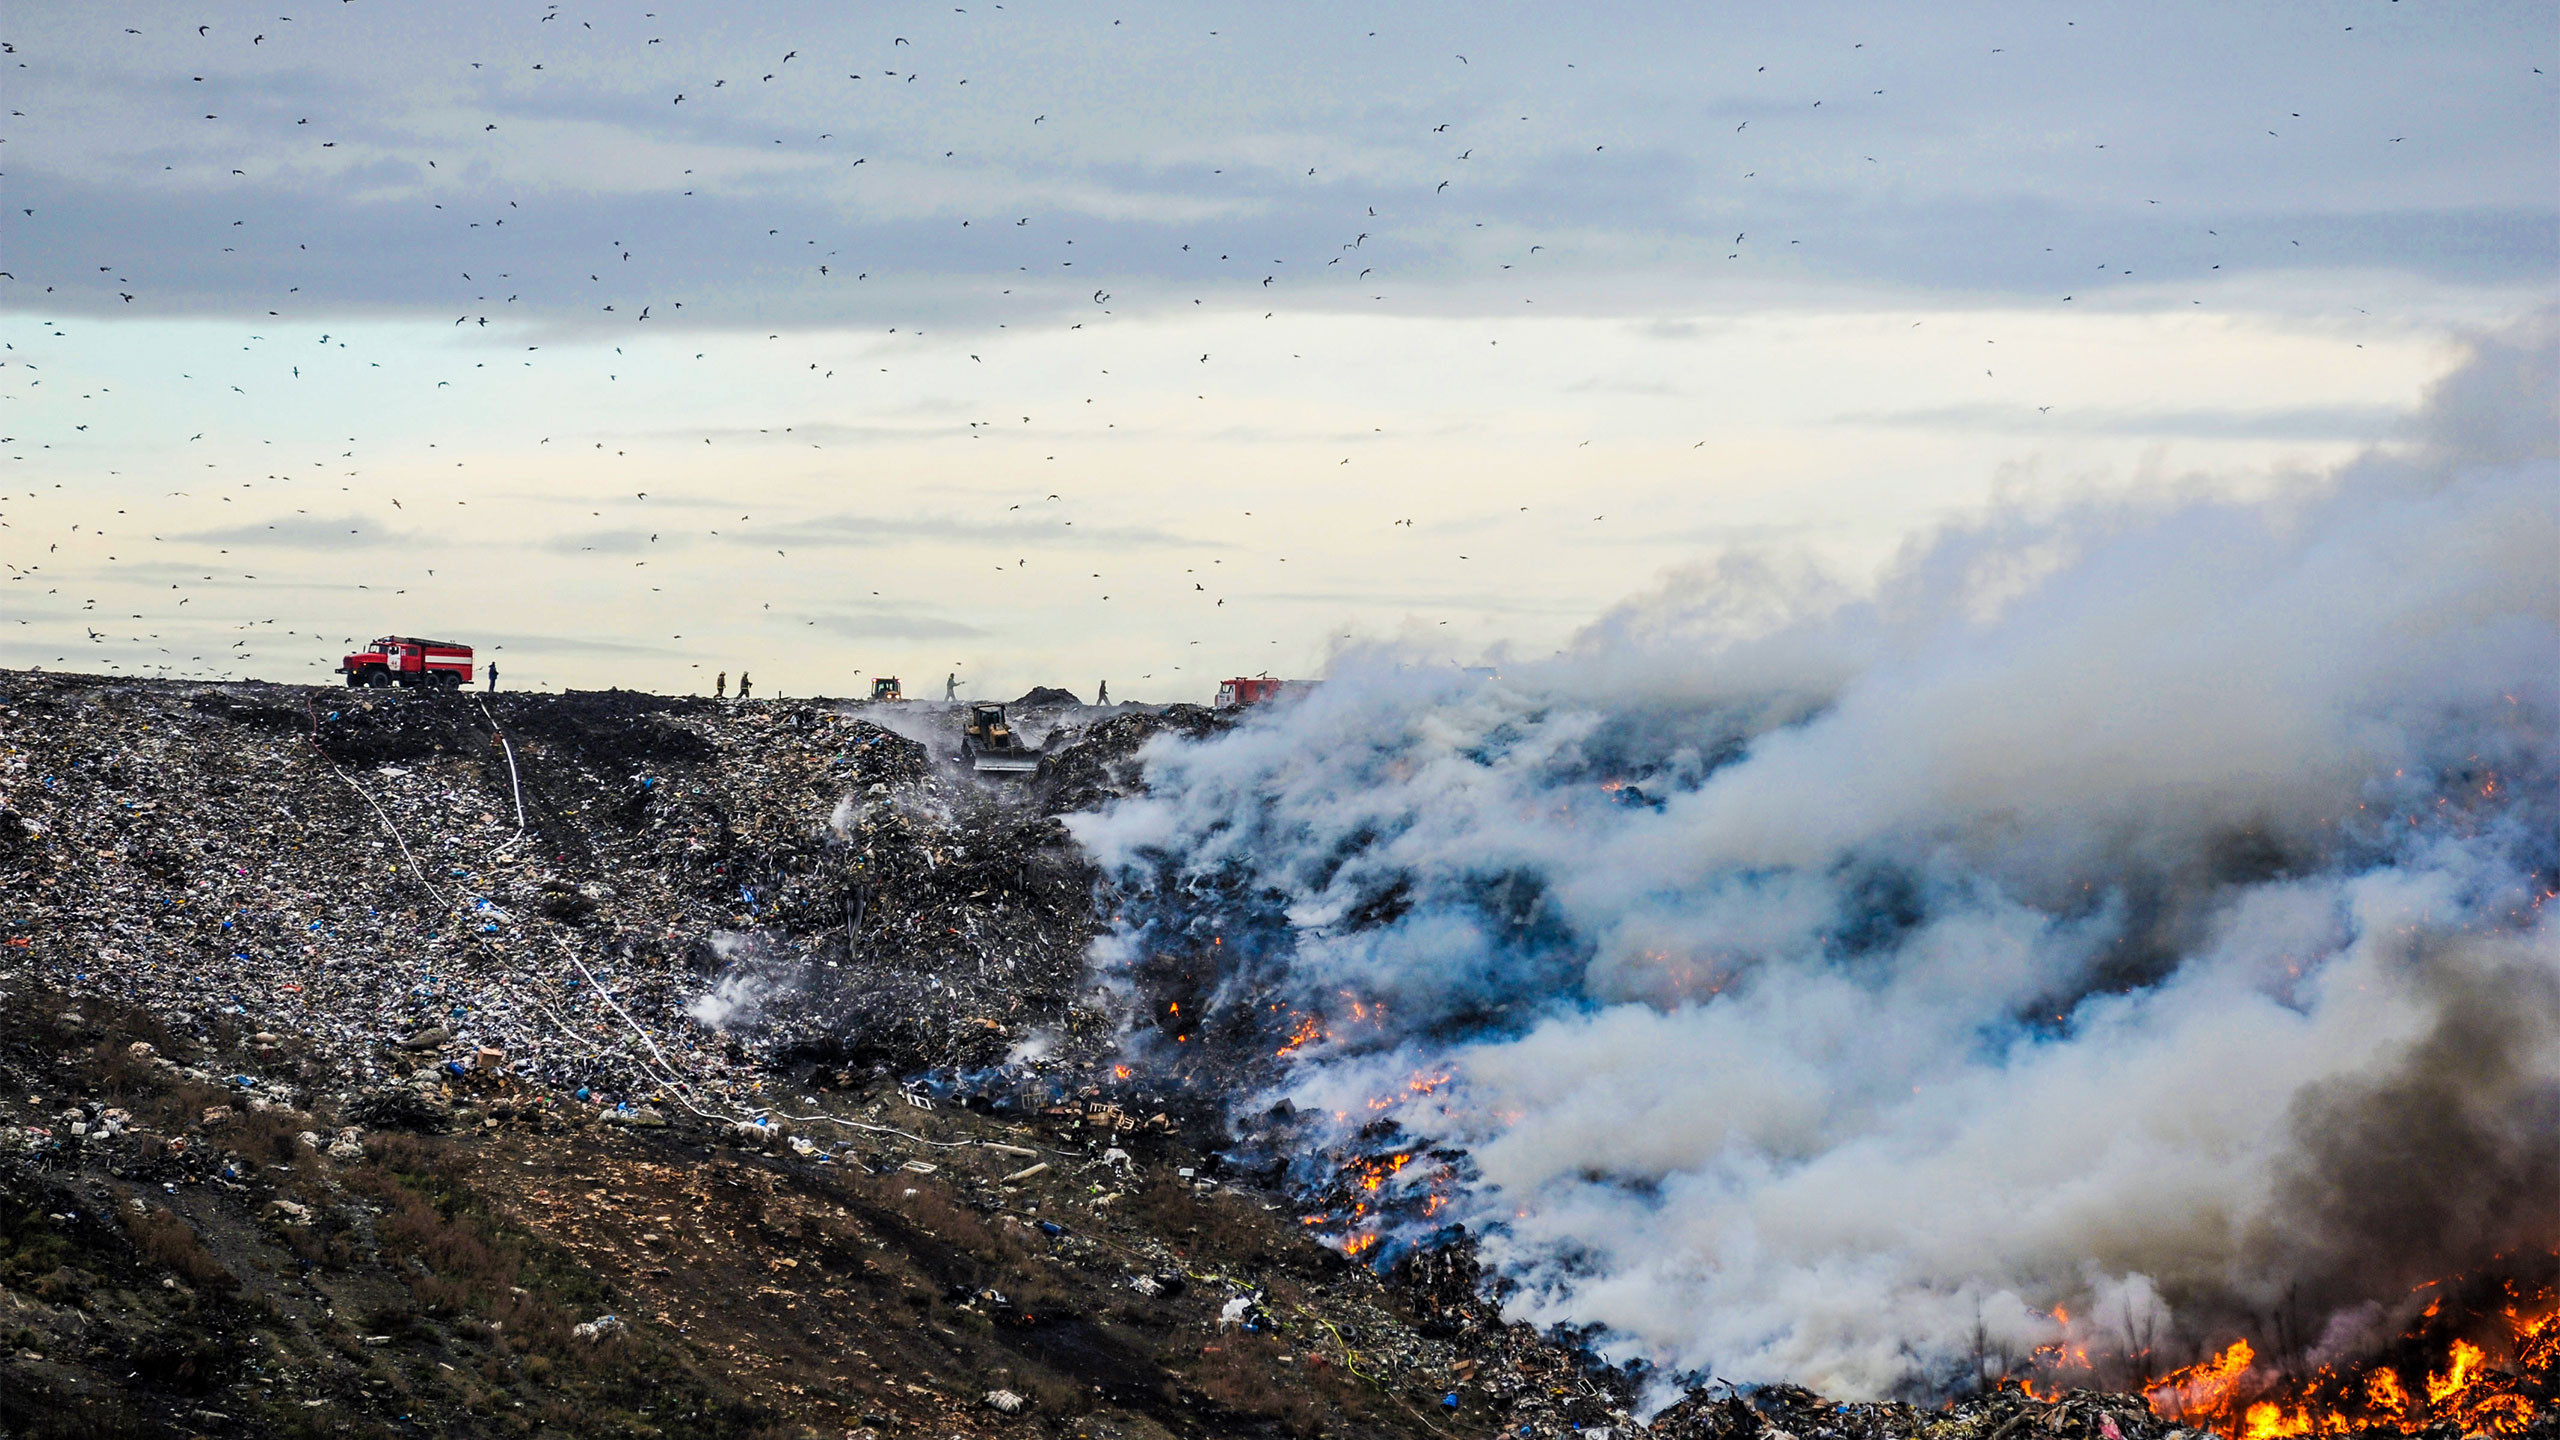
x=1479, y=601
x=888, y=624
x=849, y=531
x=631, y=541
x=1596, y=386
x=2317, y=422
x=854, y=531
x=430, y=154
x=569, y=644
x=303, y=532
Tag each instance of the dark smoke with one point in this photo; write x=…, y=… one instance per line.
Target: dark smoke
x=2453, y=1154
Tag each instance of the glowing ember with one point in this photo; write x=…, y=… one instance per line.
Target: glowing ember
x=1308, y=1028
x=1375, y=1197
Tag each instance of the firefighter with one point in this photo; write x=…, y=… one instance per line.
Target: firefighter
x=493, y=677
x=745, y=685
x=720, y=687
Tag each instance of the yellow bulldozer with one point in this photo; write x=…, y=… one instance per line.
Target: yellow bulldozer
x=988, y=743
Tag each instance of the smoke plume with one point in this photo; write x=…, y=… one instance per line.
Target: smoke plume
x=2139, y=912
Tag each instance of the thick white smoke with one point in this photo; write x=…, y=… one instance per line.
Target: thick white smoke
x=2141, y=911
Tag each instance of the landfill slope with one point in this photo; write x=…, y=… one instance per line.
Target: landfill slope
x=623, y=1065
x=558, y=877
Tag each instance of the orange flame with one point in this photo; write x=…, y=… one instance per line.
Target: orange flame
x=2384, y=1392
x=2457, y=1378
x=2205, y=1387
x=2478, y=1387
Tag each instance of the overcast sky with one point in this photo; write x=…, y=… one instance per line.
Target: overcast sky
x=1157, y=344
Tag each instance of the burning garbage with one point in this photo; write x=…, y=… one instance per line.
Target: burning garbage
x=1947, y=964
x=2486, y=1364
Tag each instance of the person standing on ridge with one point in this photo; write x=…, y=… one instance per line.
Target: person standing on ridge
x=744, y=685
x=720, y=687
x=493, y=677
x=1102, y=696
x=951, y=686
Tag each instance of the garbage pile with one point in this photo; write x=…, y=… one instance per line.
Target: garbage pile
x=625, y=895
x=659, y=958
x=2004, y=1413
x=1102, y=765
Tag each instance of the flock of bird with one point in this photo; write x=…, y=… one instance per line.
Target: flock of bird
x=549, y=294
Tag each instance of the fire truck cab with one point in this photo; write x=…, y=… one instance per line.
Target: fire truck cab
x=407, y=660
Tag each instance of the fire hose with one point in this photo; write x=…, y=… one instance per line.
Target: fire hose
x=513, y=780
x=665, y=1073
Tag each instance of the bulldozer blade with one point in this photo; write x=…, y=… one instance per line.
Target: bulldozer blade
x=1004, y=764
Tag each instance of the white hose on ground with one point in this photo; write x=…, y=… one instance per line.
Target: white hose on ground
x=665, y=1073
x=340, y=771
x=513, y=781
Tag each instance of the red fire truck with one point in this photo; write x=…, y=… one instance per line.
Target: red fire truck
x=1239, y=692
x=408, y=660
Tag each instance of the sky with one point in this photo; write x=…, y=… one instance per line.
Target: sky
x=1156, y=344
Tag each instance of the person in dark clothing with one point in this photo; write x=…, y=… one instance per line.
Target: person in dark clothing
x=745, y=685
x=720, y=687
x=1103, y=695
x=493, y=677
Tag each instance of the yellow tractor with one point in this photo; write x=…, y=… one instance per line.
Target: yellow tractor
x=885, y=687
